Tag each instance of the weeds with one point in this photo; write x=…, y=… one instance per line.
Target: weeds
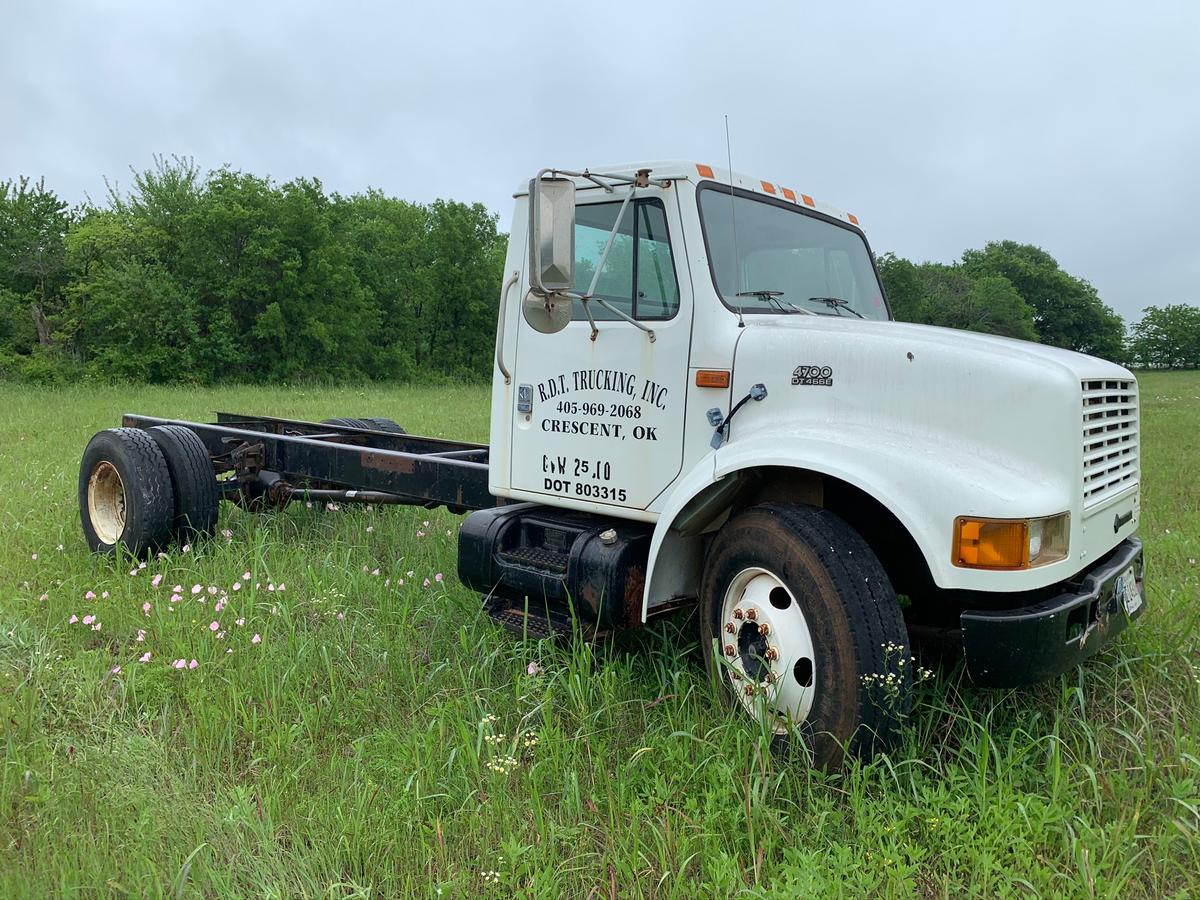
x=330, y=738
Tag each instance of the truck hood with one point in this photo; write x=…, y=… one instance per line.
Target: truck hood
x=1014, y=403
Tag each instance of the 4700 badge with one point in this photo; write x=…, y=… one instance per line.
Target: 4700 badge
x=813, y=376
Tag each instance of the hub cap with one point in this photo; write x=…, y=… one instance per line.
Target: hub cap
x=767, y=648
x=106, y=502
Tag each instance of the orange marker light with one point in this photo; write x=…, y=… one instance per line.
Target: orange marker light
x=808, y=201
x=789, y=193
x=991, y=544
x=712, y=378
x=853, y=218
x=768, y=187
x=704, y=171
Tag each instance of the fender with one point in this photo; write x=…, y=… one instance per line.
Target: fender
x=925, y=484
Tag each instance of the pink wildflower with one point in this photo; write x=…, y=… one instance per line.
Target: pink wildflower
x=104, y=595
x=133, y=571
x=90, y=595
x=115, y=670
x=370, y=528
x=237, y=585
x=193, y=664
x=175, y=598
x=375, y=572
x=341, y=616
x=186, y=548
x=145, y=657
x=437, y=577
x=156, y=580
x=197, y=588
x=178, y=589
x=212, y=590
x=257, y=639
x=214, y=625
x=271, y=586
x=146, y=608
x=245, y=576
x=420, y=534
x=425, y=583
x=240, y=622
x=227, y=534
x=282, y=586
x=89, y=619
x=533, y=669
x=73, y=619
x=179, y=663
x=141, y=635
x=96, y=627
x=44, y=597
x=34, y=557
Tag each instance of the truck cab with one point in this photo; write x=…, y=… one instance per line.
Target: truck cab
x=682, y=348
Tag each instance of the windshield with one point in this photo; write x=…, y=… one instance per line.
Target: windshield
x=786, y=260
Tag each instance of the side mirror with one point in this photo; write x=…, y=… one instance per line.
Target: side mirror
x=551, y=235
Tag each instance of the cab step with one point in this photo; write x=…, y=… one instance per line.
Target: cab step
x=540, y=623
x=560, y=565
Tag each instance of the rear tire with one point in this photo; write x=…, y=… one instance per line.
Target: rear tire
x=125, y=493
x=810, y=638
x=376, y=424
x=197, y=498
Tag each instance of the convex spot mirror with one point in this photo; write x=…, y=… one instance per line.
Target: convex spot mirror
x=551, y=235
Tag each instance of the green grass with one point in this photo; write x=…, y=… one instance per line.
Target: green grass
x=346, y=753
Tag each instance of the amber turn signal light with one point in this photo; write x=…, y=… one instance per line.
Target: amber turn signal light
x=991, y=543
x=712, y=378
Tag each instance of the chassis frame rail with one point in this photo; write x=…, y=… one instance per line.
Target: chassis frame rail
x=419, y=470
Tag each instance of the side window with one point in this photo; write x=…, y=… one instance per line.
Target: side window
x=639, y=274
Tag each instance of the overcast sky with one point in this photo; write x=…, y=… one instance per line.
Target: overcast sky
x=1071, y=125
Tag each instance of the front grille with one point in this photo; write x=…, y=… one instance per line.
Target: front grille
x=1110, y=438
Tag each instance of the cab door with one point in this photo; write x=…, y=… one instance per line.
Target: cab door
x=599, y=423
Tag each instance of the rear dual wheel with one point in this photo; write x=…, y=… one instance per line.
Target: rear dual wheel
x=142, y=490
x=800, y=621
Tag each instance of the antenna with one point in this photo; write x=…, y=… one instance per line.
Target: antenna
x=737, y=266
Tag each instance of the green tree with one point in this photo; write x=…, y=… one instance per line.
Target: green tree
x=33, y=228
x=1167, y=337
x=1067, y=311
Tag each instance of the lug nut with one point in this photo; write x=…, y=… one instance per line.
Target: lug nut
x=752, y=614
x=749, y=690
x=764, y=629
x=729, y=650
x=738, y=614
x=730, y=628
x=768, y=679
x=772, y=654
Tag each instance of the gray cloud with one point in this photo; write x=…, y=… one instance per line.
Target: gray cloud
x=1072, y=125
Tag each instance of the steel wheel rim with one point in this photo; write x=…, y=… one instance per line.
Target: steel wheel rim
x=767, y=649
x=106, y=502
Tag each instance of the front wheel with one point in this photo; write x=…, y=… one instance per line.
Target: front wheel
x=799, y=619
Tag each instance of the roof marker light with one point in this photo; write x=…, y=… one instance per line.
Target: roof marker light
x=808, y=201
x=768, y=187
x=789, y=193
x=704, y=171
x=853, y=218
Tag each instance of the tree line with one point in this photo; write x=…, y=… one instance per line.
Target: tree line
x=202, y=277
x=218, y=276
x=1019, y=290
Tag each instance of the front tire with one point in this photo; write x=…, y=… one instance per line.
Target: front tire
x=807, y=631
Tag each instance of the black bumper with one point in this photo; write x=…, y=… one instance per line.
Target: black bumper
x=1011, y=647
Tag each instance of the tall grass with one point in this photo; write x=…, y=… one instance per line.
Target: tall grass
x=383, y=738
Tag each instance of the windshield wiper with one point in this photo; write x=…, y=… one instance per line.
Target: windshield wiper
x=773, y=297
x=838, y=304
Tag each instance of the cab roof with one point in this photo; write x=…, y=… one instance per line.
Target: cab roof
x=686, y=170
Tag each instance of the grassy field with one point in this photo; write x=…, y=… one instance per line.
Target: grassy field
x=349, y=723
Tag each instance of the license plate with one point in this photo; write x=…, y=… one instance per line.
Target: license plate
x=1126, y=591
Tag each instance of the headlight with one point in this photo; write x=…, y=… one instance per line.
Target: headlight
x=1010, y=543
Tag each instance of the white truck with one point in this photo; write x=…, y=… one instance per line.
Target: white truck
x=700, y=399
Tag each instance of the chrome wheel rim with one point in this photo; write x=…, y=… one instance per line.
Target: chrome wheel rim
x=106, y=502
x=767, y=649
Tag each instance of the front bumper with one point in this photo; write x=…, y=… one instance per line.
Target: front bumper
x=1010, y=647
